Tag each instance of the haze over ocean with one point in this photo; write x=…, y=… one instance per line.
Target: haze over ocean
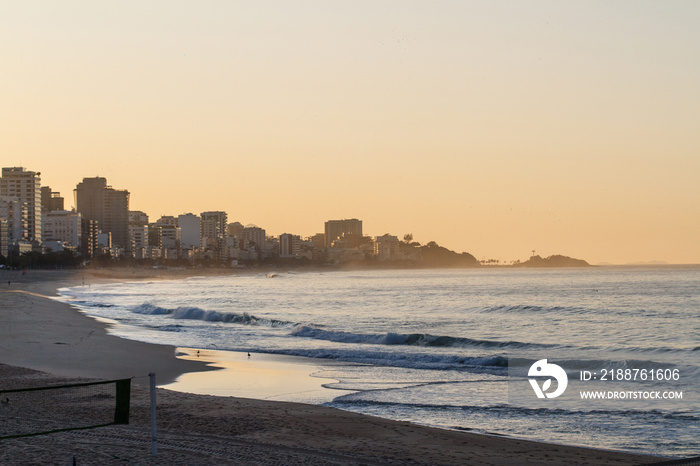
x=434, y=346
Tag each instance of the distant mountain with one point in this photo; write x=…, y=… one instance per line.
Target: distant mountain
x=553, y=261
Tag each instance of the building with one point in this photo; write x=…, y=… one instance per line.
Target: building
x=349, y=228
x=191, y=231
x=50, y=200
x=138, y=218
x=155, y=236
x=14, y=213
x=88, y=237
x=213, y=233
x=213, y=226
x=26, y=187
x=318, y=240
x=63, y=226
x=251, y=237
x=106, y=205
x=104, y=240
x=167, y=220
x=233, y=228
x=290, y=245
x=139, y=239
x=386, y=247
x=171, y=237
x=116, y=216
x=4, y=238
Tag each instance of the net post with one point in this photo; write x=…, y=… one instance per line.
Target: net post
x=123, y=396
x=154, y=432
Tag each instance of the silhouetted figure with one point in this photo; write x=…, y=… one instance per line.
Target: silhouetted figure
x=248, y=354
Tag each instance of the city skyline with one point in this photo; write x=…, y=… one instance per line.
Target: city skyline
x=560, y=127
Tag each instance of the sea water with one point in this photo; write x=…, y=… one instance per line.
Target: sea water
x=451, y=348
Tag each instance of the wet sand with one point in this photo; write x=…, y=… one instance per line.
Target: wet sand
x=43, y=341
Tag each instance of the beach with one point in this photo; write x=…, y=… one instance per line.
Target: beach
x=44, y=341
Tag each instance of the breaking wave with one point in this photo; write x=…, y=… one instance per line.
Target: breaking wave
x=196, y=313
x=412, y=339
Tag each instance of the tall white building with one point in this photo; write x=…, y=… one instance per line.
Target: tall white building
x=25, y=186
x=139, y=238
x=171, y=236
x=64, y=226
x=191, y=227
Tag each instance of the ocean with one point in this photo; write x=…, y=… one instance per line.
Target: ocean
x=459, y=349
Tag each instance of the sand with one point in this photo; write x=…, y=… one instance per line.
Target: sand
x=43, y=341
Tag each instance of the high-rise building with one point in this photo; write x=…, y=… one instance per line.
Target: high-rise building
x=251, y=237
x=14, y=213
x=4, y=238
x=88, y=237
x=63, y=226
x=25, y=186
x=155, y=236
x=89, y=199
x=213, y=227
x=116, y=217
x=342, y=228
x=290, y=245
x=213, y=224
x=106, y=205
x=191, y=227
x=139, y=241
x=50, y=200
x=171, y=237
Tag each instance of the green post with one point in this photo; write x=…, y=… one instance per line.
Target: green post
x=121, y=411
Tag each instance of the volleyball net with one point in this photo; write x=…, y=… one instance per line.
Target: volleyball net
x=26, y=412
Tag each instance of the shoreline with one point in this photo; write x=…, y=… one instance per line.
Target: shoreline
x=54, y=338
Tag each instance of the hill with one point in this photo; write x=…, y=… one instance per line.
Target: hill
x=435, y=255
x=553, y=261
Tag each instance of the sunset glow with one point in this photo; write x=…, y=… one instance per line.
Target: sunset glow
x=488, y=127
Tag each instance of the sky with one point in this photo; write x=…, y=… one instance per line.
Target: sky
x=491, y=127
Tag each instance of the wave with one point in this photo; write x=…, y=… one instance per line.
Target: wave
x=507, y=409
x=150, y=309
x=412, y=339
x=492, y=364
x=527, y=309
x=90, y=304
x=196, y=313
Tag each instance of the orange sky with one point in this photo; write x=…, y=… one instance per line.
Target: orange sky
x=490, y=127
